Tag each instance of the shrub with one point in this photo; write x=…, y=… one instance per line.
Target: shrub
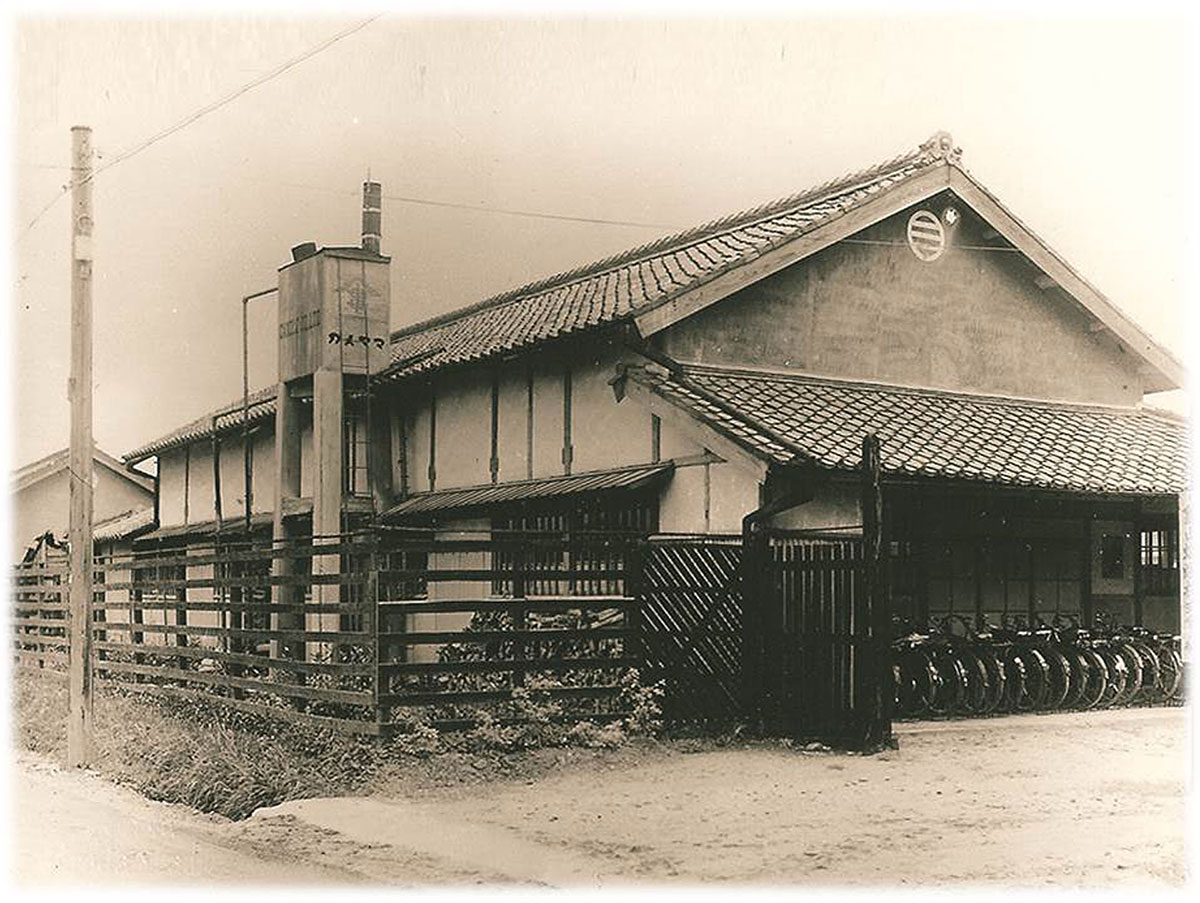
x=644, y=704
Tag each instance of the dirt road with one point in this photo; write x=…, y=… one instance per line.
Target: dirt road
x=75, y=828
x=1072, y=799
x=1059, y=800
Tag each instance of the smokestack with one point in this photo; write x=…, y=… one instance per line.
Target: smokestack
x=371, y=216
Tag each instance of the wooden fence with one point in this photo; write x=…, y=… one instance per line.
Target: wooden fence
x=372, y=632
x=692, y=625
x=362, y=632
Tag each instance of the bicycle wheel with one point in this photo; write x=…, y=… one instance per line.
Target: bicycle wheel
x=1077, y=674
x=1151, y=673
x=1171, y=666
x=1095, y=681
x=1059, y=678
x=1118, y=677
x=1014, y=680
x=975, y=696
x=995, y=686
x=1133, y=661
x=950, y=682
x=916, y=683
x=1037, y=680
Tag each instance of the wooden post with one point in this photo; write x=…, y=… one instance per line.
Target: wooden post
x=752, y=647
x=79, y=709
x=520, y=623
x=373, y=627
x=875, y=695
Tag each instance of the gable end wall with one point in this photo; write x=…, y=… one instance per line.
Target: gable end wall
x=971, y=321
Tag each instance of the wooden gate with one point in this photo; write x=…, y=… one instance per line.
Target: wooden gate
x=692, y=625
x=818, y=627
x=811, y=632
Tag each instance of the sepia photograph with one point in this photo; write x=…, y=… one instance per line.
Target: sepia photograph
x=634, y=449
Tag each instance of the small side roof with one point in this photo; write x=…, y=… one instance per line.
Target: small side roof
x=792, y=419
x=524, y=490
x=126, y=525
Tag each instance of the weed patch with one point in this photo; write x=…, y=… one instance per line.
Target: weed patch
x=219, y=760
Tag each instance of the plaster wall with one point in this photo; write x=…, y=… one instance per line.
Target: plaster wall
x=834, y=504
x=548, y=421
x=464, y=438
x=604, y=433
x=171, y=475
x=511, y=436
x=971, y=321
x=417, y=438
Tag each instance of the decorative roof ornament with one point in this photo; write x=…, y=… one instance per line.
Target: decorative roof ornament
x=941, y=147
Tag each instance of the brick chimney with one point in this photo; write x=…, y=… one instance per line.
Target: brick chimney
x=371, y=216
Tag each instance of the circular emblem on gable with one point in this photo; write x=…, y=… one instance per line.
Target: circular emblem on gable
x=926, y=236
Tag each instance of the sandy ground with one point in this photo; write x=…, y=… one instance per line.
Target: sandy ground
x=71, y=828
x=1093, y=799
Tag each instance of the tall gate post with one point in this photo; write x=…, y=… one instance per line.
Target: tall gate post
x=875, y=694
x=755, y=667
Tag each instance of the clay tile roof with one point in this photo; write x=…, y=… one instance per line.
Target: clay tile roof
x=615, y=288
x=226, y=417
x=791, y=418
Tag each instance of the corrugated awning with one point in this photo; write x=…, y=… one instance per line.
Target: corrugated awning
x=523, y=490
x=209, y=527
x=123, y=526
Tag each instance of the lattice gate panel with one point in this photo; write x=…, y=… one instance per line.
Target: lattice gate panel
x=692, y=625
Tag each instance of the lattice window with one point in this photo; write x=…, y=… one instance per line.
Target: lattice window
x=1159, y=559
x=355, y=477
x=580, y=523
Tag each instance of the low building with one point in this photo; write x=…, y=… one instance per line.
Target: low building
x=684, y=385
x=41, y=498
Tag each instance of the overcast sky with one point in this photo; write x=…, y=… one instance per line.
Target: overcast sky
x=1082, y=127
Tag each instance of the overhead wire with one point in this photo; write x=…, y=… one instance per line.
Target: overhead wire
x=205, y=110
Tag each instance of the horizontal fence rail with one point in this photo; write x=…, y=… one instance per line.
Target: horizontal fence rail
x=362, y=632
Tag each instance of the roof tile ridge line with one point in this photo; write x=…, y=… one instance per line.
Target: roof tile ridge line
x=841, y=185
x=1045, y=246
x=552, y=478
x=257, y=396
x=179, y=434
x=681, y=379
x=630, y=260
x=1015, y=400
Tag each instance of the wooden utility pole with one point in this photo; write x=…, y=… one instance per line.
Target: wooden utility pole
x=79, y=712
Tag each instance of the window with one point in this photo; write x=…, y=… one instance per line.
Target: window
x=1159, y=560
x=576, y=521
x=354, y=455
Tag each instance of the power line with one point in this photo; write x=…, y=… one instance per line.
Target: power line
x=904, y=244
x=205, y=110
x=528, y=213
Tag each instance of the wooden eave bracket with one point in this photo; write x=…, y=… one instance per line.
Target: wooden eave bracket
x=699, y=432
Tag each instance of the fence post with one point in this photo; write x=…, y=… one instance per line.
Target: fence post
x=635, y=571
x=371, y=598
x=753, y=651
x=519, y=621
x=875, y=694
